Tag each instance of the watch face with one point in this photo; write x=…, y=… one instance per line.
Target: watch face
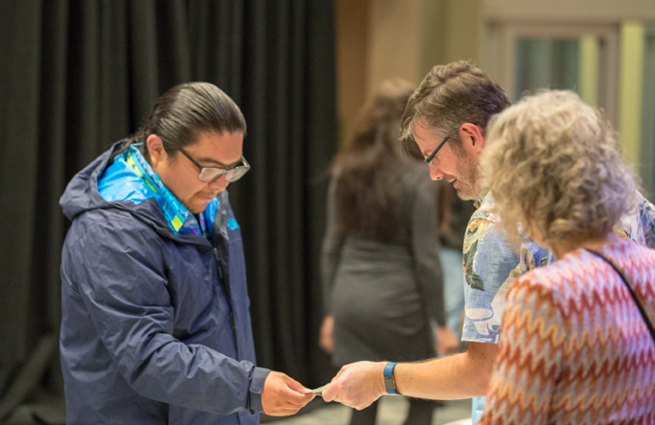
x=390, y=384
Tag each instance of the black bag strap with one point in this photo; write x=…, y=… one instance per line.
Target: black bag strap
x=628, y=284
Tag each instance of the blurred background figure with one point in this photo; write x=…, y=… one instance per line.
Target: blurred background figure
x=555, y=168
x=380, y=265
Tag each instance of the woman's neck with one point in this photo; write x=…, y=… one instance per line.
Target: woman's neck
x=561, y=248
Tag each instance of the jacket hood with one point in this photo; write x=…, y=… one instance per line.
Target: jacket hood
x=82, y=195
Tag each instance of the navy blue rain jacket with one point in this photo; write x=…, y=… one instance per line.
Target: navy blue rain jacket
x=155, y=325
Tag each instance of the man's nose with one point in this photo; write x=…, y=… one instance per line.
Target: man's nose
x=435, y=173
x=219, y=184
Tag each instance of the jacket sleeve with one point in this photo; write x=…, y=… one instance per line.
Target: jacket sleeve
x=120, y=273
x=331, y=250
x=425, y=250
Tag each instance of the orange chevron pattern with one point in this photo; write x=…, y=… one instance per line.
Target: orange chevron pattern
x=574, y=348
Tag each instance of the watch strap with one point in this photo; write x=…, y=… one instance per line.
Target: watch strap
x=389, y=379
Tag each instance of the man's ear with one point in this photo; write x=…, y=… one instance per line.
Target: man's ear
x=156, y=150
x=472, y=137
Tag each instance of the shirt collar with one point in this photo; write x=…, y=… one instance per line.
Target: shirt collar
x=483, y=194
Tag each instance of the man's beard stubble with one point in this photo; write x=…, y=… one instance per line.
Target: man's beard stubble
x=468, y=182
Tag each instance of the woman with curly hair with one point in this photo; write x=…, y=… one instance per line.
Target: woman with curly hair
x=577, y=344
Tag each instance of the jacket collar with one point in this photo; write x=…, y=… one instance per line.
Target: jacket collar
x=82, y=194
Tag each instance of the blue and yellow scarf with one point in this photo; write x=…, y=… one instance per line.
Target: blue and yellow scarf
x=130, y=177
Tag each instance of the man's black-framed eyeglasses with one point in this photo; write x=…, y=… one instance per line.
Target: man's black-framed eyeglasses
x=210, y=174
x=429, y=159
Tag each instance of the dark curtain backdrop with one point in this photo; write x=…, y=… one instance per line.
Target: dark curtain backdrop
x=76, y=76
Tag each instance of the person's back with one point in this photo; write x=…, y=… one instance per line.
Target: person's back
x=380, y=260
x=378, y=285
x=406, y=184
x=381, y=271
x=576, y=337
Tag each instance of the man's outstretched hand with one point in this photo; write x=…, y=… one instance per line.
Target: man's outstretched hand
x=283, y=396
x=357, y=385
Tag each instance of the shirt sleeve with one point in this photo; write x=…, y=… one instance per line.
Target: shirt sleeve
x=331, y=250
x=529, y=357
x=491, y=264
x=121, y=277
x=647, y=222
x=425, y=250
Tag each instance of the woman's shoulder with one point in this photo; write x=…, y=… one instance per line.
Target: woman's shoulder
x=576, y=272
x=628, y=250
x=631, y=257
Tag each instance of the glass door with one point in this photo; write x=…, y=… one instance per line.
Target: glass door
x=647, y=165
x=582, y=58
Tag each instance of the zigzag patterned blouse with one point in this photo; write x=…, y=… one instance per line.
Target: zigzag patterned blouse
x=574, y=348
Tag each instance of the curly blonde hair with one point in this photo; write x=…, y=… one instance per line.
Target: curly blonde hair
x=553, y=162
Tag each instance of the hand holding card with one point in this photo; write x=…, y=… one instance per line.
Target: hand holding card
x=317, y=391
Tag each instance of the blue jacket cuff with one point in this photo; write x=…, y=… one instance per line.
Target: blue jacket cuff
x=259, y=376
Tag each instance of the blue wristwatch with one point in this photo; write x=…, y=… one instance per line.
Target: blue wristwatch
x=389, y=379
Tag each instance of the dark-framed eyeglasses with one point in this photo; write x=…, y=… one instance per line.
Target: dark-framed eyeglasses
x=210, y=174
x=429, y=159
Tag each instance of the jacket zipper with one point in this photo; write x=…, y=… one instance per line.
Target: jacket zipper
x=226, y=290
x=228, y=298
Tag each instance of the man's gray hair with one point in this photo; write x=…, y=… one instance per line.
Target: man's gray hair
x=451, y=95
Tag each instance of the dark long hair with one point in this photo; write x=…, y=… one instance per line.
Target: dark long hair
x=183, y=112
x=367, y=166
